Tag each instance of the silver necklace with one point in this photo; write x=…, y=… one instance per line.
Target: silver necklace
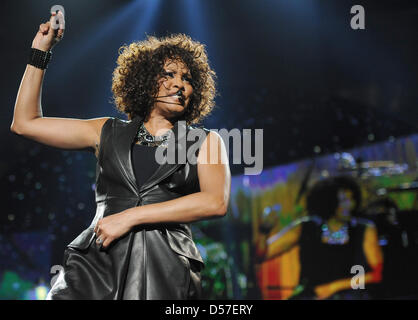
x=147, y=139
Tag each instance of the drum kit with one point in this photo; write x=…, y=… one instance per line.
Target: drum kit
x=379, y=206
x=367, y=170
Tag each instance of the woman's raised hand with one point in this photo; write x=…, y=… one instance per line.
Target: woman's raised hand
x=48, y=36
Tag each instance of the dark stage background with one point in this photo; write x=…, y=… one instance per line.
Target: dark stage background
x=293, y=68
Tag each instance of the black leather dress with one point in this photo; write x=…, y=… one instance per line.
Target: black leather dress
x=158, y=261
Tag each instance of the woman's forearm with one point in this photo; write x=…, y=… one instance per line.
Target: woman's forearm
x=190, y=208
x=28, y=100
x=345, y=284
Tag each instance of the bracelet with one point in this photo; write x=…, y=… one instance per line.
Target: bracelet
x=39, y=58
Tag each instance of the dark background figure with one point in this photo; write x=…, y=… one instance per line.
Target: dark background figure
x=332, y=240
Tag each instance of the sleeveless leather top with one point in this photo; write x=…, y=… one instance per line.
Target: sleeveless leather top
x=144, y=163
x=117, y=188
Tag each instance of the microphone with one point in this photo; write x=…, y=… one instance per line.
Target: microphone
x=178, y=93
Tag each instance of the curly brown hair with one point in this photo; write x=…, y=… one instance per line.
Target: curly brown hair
x=140, y=65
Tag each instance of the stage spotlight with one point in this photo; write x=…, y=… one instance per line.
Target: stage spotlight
x=131, y=20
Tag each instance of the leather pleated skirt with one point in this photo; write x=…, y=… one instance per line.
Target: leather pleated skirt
x=139, y=266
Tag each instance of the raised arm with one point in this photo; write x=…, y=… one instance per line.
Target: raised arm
x=28, y=119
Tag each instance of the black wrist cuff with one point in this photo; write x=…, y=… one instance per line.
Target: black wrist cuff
x=39, y=58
